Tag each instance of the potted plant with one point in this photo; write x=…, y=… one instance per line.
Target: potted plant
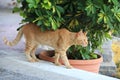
x=91, y=65
x=97, y=17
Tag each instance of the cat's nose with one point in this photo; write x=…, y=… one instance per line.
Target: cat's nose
x=86, y=44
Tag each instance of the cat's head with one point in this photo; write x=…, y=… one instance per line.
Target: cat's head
x=81, y=38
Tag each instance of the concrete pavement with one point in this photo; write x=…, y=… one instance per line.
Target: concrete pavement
x=14, y=66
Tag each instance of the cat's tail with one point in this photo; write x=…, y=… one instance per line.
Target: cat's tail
x=15, y=41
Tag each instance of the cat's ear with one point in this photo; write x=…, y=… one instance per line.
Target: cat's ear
x=85, y=33
x=79, y=33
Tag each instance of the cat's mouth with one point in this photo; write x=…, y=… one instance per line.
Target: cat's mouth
x=84, y=45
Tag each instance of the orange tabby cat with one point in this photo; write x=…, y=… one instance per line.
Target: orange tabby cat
x=60, y=40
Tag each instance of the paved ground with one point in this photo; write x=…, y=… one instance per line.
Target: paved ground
x=14, y=66
x=9, y=75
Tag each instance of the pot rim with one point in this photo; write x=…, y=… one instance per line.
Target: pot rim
x=51, y=59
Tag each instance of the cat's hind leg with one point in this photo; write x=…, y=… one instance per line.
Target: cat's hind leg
x=28, y=49
x=33, y=53
x=57, y=57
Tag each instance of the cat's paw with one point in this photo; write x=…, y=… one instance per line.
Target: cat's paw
x=37, y=60
x=58, y=64
x=32, y=60
x=69, y=67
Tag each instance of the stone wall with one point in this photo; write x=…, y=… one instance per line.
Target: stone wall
x=108, y=67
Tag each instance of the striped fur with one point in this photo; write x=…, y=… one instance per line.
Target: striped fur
x=15, y=41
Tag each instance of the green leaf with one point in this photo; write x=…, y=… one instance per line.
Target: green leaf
x=108, y=36
x=46, y=4
x=39, y=23
x=31, y=1
x=115, y=2
x=23, y=14
x=90, y=8
x=37, y=1
x=58, y=13
x=60, y=9
x=94, y=56
x=46, y=23
x=105, y=19
x=45, y=1
x=116, y=12
x=38, y=12
x=109, y=1
x=54, y=25
x=118, y=17
x=110, y=25
x=53, y=9
x=18, y=1
x=16, y=9
x=39, y=18
x=31, y=5
x=101, y=16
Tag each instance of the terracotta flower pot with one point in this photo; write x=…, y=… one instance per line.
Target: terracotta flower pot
x=88, y=65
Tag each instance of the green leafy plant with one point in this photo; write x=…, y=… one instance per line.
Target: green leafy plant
x=44, y=13
x=97, y=17
x=78, y=52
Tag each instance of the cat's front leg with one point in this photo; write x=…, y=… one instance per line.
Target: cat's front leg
x=56, y=58
x=65, y=60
